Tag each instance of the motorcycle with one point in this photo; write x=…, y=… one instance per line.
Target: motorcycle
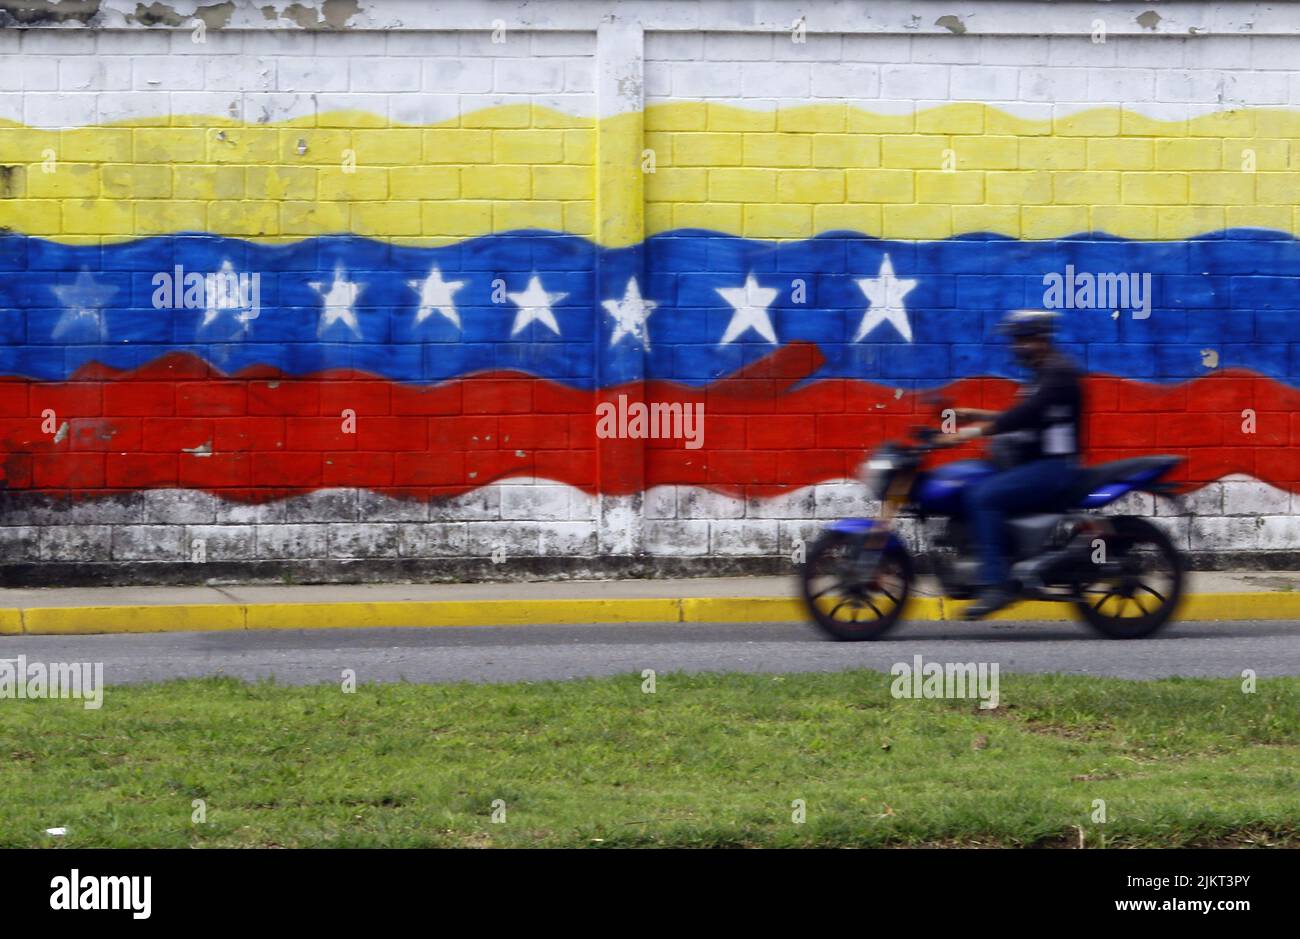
x=1122, y=573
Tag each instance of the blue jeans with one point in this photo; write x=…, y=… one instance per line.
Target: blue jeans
x=1039, y=486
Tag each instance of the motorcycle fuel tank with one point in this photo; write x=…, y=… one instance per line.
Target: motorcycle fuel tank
x=939, y=492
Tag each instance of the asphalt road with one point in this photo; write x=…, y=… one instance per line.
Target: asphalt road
x=499, y=654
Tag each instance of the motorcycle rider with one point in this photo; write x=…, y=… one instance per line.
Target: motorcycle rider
x=1043, y=425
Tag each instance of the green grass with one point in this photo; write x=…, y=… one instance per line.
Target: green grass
x=707, y=760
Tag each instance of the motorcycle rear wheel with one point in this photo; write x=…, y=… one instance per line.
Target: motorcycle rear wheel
x=1142, y=598
x=845, y=605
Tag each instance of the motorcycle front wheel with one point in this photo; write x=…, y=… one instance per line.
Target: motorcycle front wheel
x=1143, y=594
x=847, y=602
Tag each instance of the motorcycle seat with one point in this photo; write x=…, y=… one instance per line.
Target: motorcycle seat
x=1092, y=478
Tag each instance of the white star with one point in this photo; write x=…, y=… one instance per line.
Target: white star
x=224, y=292
x=535, y=306
x=435, y=297
x=337, y=303
x=750, y=303
x=630, y=315
x=83, y=299
x=886, y=293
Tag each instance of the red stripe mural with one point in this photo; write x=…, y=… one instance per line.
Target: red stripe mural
x=257, y=435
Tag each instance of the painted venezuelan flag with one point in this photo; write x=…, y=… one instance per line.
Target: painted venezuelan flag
x=197, y=303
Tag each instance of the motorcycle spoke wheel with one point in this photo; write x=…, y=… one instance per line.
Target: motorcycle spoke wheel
x=846, y=601
x=1141, y=595
x=842, y=599
x=1125, y=605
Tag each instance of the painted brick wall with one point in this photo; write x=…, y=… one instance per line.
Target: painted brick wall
x=473, y=224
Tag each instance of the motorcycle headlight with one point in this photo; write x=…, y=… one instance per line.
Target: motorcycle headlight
x=875, y=475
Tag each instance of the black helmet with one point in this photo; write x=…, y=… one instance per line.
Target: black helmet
x=1029, y=324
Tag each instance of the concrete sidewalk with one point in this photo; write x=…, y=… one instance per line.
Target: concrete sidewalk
x=52, y=611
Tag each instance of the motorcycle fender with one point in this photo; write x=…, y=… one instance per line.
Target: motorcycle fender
x=860, y=527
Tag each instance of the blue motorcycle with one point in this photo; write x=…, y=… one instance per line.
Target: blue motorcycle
x=1122, y=573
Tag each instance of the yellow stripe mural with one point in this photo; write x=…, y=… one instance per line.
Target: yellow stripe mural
x=783, y=174
x=497, y=169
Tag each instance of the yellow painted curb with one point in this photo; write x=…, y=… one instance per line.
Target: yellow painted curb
x=1027, y=611
x=455, y=613
x=85, y=620
x=924, y=608
x=740, y=610
x=1203, y=607
x=11, y=622
x=1229, y=606
x=50, y=621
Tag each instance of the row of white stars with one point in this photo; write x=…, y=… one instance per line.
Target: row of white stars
x=750, y=305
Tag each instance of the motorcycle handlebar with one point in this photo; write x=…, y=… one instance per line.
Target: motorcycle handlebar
x=927, y=440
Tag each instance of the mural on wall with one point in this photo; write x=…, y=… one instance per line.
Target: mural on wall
x=240, y=315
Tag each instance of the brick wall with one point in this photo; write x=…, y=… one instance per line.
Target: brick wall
x=473, y=224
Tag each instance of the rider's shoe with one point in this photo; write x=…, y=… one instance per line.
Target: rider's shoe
x=990, y=600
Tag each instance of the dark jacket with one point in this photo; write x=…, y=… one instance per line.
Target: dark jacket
x=1049, y=412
